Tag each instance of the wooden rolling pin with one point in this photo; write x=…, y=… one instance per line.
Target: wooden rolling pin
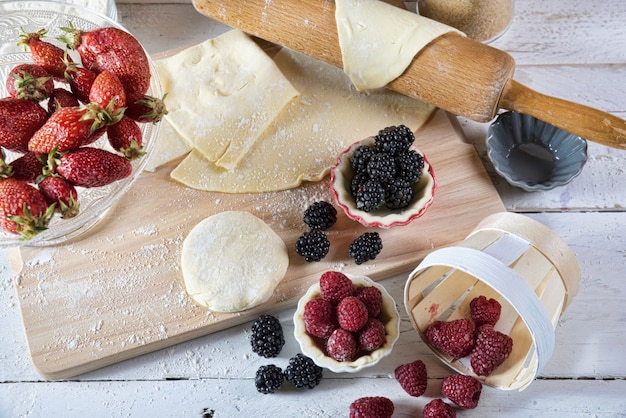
x=454, y=73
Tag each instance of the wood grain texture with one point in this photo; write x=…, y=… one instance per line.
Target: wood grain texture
x=118, y=292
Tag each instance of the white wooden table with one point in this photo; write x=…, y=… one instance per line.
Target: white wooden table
x=574, y=49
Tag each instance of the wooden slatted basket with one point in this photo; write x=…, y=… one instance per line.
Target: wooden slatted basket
x=515, y=260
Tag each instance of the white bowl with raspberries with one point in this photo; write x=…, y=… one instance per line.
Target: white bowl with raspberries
x=346, y=322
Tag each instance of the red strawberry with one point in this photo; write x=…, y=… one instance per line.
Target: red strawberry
x=59, y=98
x=68, y=128
x=29, y=82
x=108, y=92
x=437, y=408
x=147, y=109
x=115, y=50
x=126, y=137
x=485, y=311
x=63, y=193
x=80, y=80
x=319, y=318
x=490, y=350
x=372, y=336
x=372, y=407
x=23, y=209
x=454, y=338
x=341, y=345
x=26, y=167
x=19, y=120
x=412, y=377
x=351, y=314
x=93, y=167
x=45, y=54
x=335, y=286
x=372, y=297
x=462, y=390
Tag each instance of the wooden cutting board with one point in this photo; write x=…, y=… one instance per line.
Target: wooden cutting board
x=118, y=291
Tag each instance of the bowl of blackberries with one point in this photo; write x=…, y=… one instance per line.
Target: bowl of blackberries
x=346, y=322
x=383, y=180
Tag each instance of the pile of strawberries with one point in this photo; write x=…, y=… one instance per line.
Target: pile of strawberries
x=56, y=109
x=345, y=318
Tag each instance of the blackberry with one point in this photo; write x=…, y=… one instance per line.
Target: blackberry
x=370, y=196
x=409, y=165
x=313, y=245
x=320, y=215
x=382, y=167
x=269, y=378
x=302, y=372
x=360, y=157
x=398, y=194
x=365, y=247
x=357, y=182
x=394, y=139
x=267, y=337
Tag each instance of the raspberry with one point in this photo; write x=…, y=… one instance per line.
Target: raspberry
x=454, y=338
x=335, y=286
x=351, y=314
x=437, y=408
x=267, y=337
x=371, y=297
x=372, y=335
x=372, y=407
x=485, y=311
x=462, y=390
x=490, y=350
x=313, y=245
x=365, y=247
x=302, y=372
x=412, y=377
x=319, y=318
x=320, y=215
x=269, y=378
x=341, y=345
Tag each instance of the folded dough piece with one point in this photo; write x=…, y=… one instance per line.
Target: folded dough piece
x=222, y=94
x=305, y=139
x=378, y=41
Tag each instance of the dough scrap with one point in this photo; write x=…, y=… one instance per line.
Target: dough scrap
x=232, y=261
x=222, y=94
x=305, y=139
x=378, y=41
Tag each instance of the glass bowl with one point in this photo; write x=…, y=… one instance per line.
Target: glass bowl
x=94, y=202
x=532, y=154
x=313, y=347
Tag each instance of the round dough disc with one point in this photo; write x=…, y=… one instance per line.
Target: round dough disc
x=232, y=261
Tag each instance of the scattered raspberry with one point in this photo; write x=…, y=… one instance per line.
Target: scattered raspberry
x=319, y=318
x=372, y=335
x=490, y=350
x=372, y=407
x=462, y=390
x=351, y=314
x=341, y=345
x=412, y=377
x=485, y=311
x=454, y=338
x=371, y=297
x=335, y=286
x=437, y=408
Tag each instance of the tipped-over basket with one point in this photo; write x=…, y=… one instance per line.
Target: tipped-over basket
x=515, y=260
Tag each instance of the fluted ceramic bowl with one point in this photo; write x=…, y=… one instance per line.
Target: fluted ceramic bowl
x=532, y=154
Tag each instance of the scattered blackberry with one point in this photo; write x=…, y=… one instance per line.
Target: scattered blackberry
x=302, y=372
x=313, y=245
x=360, y=157
x=394, y=139
x=398, y=194
x=409, y=165
x=382, y=167
x=370, y=196
x=365, y=247
x=267, y=337
x=269, y=378
x=320, y=215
